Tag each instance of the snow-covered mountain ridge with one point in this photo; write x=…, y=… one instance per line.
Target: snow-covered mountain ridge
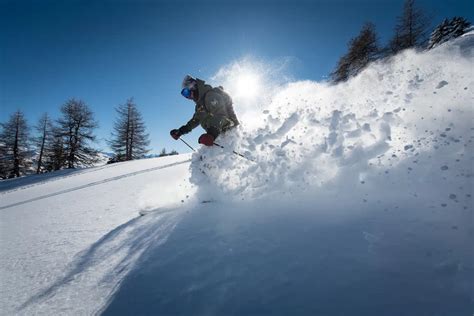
x=359, y=201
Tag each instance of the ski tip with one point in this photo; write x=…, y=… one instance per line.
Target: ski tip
x=145, y=212
x=159, y=210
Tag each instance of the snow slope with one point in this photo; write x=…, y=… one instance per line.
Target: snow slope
x=358, y=201
x=65, y=242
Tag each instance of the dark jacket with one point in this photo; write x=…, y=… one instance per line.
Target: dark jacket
x=214, y=110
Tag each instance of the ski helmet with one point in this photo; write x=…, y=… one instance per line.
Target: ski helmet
x=188, y=85
x=188, y=82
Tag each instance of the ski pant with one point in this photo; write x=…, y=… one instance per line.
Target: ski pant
x=215, y=125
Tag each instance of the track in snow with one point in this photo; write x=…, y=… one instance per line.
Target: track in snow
x=88, y=185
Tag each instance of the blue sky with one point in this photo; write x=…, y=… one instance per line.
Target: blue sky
x=105, y=52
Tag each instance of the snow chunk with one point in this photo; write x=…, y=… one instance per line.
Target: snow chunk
x=441, y=84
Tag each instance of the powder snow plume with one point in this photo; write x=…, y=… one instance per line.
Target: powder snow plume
x=403, y=125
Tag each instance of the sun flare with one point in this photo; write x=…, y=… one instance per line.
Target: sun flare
x=247, y=85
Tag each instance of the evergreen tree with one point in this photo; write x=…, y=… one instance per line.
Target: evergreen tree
x=76, y=126
x=363, y=49
x=129, y=139
x=448, y=29
x=411, y=29
x=15, y=156
x=163, y=153
x=43, y=141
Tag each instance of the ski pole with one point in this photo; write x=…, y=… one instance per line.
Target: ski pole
x=239, y=154
x=187, y=144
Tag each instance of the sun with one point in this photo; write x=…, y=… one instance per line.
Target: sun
x=247, y=85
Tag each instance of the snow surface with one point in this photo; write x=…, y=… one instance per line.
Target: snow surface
x=358, y=201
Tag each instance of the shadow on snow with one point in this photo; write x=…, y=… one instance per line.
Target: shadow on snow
x=257, y=262
x=99, y=269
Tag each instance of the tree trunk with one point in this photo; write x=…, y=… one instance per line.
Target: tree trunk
x=132, y=135
x=70, y=162
x=38, y=170
x=128, y=140
x=16, y=158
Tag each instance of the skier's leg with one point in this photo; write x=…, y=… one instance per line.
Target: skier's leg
x=216, y=125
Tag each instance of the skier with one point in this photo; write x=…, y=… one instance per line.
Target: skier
x=213, y=111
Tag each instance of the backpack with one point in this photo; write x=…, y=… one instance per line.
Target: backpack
x=225, y=95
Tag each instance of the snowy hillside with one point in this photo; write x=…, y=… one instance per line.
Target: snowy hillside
x=358, y=201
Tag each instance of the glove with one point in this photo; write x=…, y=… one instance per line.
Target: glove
x=206, y=139
x=175, y=134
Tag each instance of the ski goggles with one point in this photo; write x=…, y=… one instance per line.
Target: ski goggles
x=186, y=92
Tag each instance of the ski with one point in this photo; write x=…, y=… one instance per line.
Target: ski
x=158, y=210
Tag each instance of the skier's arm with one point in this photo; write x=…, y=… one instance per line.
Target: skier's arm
x=190, y=125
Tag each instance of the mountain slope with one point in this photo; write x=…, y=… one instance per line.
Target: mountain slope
x=358, y=201
x=53, y=233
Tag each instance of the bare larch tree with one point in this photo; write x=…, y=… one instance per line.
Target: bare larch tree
x=363, y=49
x=43, y=140
x=56, y=155
x=14, y=137
x=411, y=29
x=129, y=139
x=76, y=126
